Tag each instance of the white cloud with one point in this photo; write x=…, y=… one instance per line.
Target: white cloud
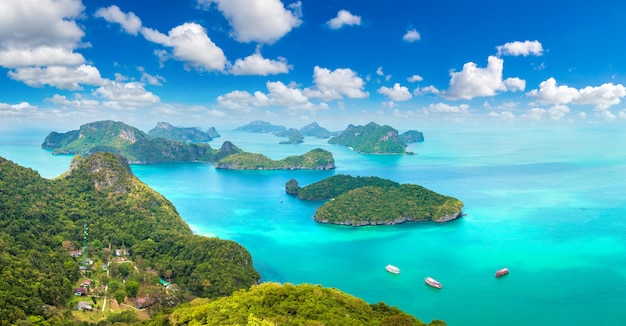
x=397, y=93
x=149, y=79
x=556, y=112
x=411, y=36
x=40, y=33
x=505, y=115
x=70, y=78
x=446, y=108
x=242, y=100
x=279, y=95
x=332, y=85
x=550, y=93
x=258, y=21
x=190, y=44
x=122, y=96
x=473, y=81
x=129, y=22
x=63, y=101
x=14, y=109
x=415, y=78
x=255, y=64
x=518, y=48
x=379, y=71
x=602, y=97
x=426, y=90
x=344, y=18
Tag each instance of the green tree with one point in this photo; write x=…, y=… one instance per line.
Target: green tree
x=119, y=296
x=132, y=287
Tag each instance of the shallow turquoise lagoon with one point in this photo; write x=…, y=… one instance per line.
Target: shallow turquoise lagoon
x=549, y=204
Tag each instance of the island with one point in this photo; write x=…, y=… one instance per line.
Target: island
x=412, y=136
x=295, y=137
x=184, y=134
x=259, y=126
x=371, y=139
x=315, y=130
x=316, y=159
x=139, y=148
x=359, y=201
x=212, y=132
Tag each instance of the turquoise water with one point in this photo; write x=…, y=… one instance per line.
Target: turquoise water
x=549, y=204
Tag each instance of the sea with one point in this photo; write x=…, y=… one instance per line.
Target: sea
x=549, y=203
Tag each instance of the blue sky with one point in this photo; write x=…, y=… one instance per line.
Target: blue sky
x=224, y=63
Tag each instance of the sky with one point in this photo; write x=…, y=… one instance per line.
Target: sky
x=224, y=63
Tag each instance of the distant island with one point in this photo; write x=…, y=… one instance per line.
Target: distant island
x=375, y=139
x=316, y=159
x=139, y=148
x=295, y=137
x=359, y=201
x=184, y=134
x=259, y=126
x=314, y=130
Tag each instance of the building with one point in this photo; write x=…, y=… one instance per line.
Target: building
x=80, y=291
x=84, y=305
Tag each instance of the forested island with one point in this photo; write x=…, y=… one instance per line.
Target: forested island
x=376, y=139
x=359, y=201
x=44, y=224
x=316, y=159
x=140, y=148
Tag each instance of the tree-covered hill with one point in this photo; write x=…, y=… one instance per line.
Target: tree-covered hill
x=37, y=216
x=259, y=126
x=336, y=185
x=371, y=201
x=276, y=304
x=371, y=205
x=371, y=138
x=315, y=130
x=316, y=159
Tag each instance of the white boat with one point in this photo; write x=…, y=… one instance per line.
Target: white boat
x=392, y=269
x=432, y=282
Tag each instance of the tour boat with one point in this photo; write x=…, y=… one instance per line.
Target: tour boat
x=392, y=269
x=432, y=282
x=502, y=272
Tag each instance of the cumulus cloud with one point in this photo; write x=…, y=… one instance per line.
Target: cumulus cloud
x=70, y=78
x=505, y=115
x=411, y=36
x=14, y=109
x=518, y=48
x=278, y=95
x=473, y=81
x=446, y=108
x=126, y=95
x=258, y=21
x=79, y=103
x=48, y=33
x=255, y=64
x=556, y=112
x=190, y=44
x=344, y=18
x=397, y=93
x=333, y=85
x=415, y=78
x=129, y=21
x=602, y=97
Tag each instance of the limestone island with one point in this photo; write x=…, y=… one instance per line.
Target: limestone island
x=376, y=139
x=139, y=148
x=316, y=159
x=184, y=134
x=359, y=201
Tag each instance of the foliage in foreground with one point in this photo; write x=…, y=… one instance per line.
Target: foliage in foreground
x=37, y=216
x=276, y=304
